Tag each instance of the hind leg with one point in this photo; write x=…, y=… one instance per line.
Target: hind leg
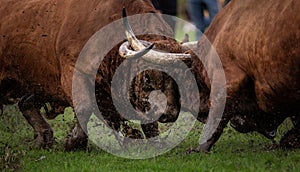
x=77, y=87
x=43, y=133
x=77, y=139
x=292, y=138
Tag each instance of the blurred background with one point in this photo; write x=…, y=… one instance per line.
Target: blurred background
x=183, y=10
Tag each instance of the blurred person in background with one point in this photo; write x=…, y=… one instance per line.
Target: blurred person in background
x=196, y=12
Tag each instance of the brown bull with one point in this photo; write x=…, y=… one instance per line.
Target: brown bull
x=258, y=43
x=40, y=42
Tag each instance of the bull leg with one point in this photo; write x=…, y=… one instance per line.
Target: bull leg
x=151, y=131
x=77, y=139
x=217, y=120
x=207, y=145
x=235, y=104
x=113, y=121
x=43, y=133
x=292, y=138
x=131, y=132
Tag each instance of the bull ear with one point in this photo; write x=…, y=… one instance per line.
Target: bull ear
x=152, y=56
x=186, y=38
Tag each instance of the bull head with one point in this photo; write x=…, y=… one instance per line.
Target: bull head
x=246, y=124
x=145, y=84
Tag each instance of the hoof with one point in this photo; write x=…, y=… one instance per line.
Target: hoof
x=44, y=139
x=195, y=150
x=73, y=144
x=190, y=151
x=76, y=140
x=291, y=139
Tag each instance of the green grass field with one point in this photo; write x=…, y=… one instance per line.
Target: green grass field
x=233, y=152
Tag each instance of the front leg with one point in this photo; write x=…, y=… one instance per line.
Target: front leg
x=76, y=139
x=217, y=119
x=79, y=91
x=207, y=142
x=223, y=92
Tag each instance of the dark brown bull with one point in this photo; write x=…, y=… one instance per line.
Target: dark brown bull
x=258, y=43
x=39, y=44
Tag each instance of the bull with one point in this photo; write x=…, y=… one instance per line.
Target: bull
x=39, y=46
x=258, y=45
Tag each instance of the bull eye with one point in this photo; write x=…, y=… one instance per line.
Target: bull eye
x=147, y=78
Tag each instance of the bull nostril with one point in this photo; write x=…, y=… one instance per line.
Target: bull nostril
x=162, y=118
x=272, y=133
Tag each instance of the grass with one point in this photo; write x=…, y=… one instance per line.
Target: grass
x=233, y=152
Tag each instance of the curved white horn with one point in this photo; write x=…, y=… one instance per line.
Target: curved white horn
x=152, y=56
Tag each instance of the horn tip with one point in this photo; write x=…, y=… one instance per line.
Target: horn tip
x=150, y=47
x=124, y=12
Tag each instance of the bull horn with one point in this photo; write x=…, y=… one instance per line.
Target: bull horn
x=133, y=41
x=125, y=52
x=152, y=56
x=189, y=45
